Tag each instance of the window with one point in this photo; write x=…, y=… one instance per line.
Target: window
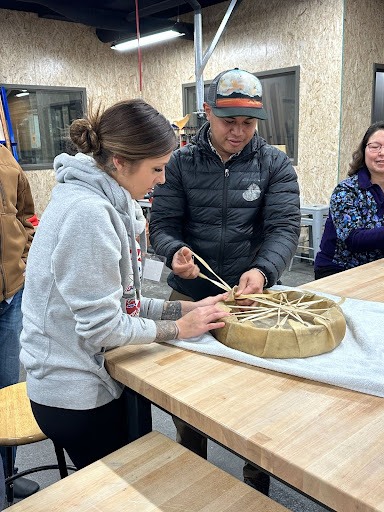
x=40, y=118
x=281, y=101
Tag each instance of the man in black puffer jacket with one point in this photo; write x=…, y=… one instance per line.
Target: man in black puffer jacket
x=233, y=200
x=229, y=196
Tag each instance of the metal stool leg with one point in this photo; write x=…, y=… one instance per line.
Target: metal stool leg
x=10, y=475
x=61, y=461
x=9, y=471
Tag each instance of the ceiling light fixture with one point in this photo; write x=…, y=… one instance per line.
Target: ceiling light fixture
x=146, y=40
x=23, y=92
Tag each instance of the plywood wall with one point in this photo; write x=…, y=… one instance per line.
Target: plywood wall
x=363, y=47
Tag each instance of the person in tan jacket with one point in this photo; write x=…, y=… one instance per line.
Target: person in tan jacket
x=16, y=233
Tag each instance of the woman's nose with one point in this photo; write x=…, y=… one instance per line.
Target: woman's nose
x=161, y=177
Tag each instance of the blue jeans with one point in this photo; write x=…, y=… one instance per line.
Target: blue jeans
x=10, y=329
x=11, y=323
x=2, y=485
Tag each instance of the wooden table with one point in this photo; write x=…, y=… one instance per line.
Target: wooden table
x=365, y=282
x=326, y=441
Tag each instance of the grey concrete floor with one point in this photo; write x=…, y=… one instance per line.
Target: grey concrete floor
x=42, y=453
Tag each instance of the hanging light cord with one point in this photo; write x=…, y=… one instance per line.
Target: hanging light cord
x=139, y=48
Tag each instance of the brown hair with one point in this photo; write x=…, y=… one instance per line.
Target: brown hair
x=131, y=129
x=358, y=156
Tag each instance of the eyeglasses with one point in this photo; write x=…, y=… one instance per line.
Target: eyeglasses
x=374, y=147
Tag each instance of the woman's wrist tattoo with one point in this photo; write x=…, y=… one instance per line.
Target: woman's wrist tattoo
x=171, y=310
x=166, y=330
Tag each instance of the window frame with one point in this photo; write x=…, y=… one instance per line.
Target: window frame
x=377, y=68
x=34, y=89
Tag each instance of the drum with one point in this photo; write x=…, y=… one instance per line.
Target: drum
x=283, y=324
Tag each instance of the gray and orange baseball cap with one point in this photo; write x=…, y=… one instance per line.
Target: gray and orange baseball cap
x=236, y=92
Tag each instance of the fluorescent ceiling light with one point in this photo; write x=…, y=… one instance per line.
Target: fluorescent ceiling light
x=146, y=40
x=24, y=92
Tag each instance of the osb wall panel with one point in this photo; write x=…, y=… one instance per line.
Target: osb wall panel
x=364, y=47
x=35, y=51
x=274, y=34
x=42, y=183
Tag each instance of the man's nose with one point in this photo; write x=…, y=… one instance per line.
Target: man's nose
x=237, y=129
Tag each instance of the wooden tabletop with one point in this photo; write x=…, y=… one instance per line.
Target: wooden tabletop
x=326, y=441
x=364, y=282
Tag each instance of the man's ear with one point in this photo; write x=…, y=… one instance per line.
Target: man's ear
x=207, y=110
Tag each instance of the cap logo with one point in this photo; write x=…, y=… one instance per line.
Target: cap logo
x=243, y=83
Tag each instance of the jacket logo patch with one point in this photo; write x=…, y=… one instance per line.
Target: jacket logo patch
x=252, y=193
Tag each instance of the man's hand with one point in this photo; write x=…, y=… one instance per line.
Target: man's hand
x=183, y=264
x=250, y=282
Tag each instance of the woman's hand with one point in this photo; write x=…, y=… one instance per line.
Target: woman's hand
x=187, y=306
x=183, y=264
x=200, y=320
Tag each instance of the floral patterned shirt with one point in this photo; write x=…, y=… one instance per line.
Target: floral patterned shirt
x=354, y=231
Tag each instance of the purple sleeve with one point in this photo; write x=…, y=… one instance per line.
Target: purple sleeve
x=361, y=240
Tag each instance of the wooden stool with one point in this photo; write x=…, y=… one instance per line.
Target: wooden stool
x=18, y=427
x=151, y=474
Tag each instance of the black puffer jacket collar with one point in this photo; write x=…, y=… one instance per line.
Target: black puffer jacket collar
x=201, y=141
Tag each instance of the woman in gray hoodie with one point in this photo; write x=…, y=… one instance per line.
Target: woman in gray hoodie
x=83, y=282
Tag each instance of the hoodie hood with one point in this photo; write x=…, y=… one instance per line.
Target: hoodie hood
x=82, y=170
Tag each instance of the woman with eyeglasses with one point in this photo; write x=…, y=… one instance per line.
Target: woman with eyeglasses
x=354, y=231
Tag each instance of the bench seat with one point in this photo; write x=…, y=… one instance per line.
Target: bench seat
x=151, y=474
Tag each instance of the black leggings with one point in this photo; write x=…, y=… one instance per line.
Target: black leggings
x=86, y=435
